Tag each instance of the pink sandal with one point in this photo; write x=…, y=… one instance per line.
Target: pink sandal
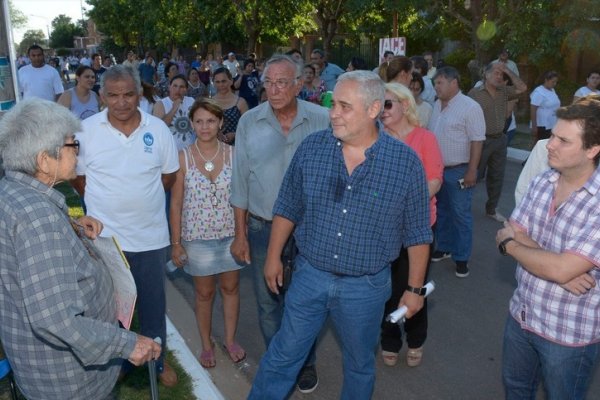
x=236, y=352
x=207, y=358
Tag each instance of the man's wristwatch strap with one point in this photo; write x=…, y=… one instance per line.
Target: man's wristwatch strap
x=420, y=291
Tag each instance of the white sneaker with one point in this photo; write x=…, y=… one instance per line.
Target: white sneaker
x=497, y=217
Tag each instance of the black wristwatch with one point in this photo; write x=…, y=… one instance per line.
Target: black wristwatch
x=502, y=246
x=420, y=291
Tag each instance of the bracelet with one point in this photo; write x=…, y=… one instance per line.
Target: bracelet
x=175, y=242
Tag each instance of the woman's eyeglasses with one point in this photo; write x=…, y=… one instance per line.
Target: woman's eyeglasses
x=74, y=145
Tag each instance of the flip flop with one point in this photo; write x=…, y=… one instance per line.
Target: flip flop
x=207, y=358
x=236, y=352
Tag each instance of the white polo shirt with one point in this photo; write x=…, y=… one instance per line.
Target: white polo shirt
x=43, y=82
x=123, y=179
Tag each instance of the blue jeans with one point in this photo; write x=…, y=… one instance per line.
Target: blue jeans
x=454, y=226
x=355, y=304
x=527, y=357
x=270, y=305
x=148, y=270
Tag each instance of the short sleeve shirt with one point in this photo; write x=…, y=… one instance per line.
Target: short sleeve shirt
x=123, y=179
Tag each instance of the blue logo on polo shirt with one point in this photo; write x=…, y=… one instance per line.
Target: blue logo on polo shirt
x=148, y=139
x=148, y=142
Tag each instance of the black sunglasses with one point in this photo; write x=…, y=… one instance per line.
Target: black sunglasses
x=388, y=104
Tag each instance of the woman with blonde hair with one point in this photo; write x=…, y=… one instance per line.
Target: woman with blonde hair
x=400, y=120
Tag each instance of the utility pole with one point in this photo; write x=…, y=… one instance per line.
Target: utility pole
x=8, y=71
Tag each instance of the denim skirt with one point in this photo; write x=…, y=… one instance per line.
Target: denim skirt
x=209, y=257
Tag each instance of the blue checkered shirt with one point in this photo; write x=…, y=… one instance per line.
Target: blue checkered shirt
x=355, y=224
x=58, y=322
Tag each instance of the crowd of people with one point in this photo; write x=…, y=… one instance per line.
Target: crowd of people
x=357, y=171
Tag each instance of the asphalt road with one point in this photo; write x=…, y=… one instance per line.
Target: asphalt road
x=463, y=353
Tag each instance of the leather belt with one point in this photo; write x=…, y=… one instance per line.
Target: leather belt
x=261, y=219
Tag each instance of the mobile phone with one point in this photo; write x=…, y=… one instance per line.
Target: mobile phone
x=461, y=183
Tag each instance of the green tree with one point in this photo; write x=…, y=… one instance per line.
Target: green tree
x=31, y=37
x=17, y=18
x=63, y=31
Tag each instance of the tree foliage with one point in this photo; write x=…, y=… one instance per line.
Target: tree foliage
x=63, y=32
x=18, y=19
x=31, y=37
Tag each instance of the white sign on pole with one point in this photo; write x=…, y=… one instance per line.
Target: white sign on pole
x=396, y=45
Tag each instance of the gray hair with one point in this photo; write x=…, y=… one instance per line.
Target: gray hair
x=281, y=58
x=370, y=85
x=450, y=73
x=34, y=126
x=119, y=73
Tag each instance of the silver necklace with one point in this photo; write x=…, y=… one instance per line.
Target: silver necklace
x=208, y=164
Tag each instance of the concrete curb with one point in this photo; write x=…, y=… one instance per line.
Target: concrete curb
x=204, y=388
x=226, y=380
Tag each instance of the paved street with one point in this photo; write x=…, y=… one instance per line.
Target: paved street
x=462, y=357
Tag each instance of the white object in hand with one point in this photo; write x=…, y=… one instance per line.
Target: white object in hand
x=398, y=315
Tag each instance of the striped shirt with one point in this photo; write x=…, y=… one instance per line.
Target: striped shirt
x=355, y=224
x=544, y=307
x=456, y=126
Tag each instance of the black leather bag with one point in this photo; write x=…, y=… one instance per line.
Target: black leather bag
x=288, y=258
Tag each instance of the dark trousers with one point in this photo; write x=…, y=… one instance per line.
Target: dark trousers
x=542, y=133
x=148, y=270
x=492, y=166
x=416, y=326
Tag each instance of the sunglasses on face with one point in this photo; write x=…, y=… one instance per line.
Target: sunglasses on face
x=388, y=104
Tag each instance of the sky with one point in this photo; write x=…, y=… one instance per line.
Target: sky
x=40, y=13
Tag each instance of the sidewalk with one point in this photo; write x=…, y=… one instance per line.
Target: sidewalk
x=226, y=380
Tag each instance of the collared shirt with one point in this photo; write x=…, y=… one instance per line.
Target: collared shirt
x=574, y=227
x=456, y=126
x=494, y=107
x=355, y=225
x=263, y=153
x=123, y=179
x=330, y=74
x=58, y=322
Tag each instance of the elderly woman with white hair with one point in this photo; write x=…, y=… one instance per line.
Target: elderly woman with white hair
x=58, y=320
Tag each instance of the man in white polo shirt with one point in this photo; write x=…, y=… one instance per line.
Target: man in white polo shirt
x=127, y=161
x=39, y=79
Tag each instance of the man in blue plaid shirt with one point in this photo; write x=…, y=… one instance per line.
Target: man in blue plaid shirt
x=355, y=196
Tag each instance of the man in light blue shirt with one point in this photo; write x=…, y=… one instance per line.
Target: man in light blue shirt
x=266, y=139
x=329, y=71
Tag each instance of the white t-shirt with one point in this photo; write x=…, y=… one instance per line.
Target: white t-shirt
x=584, y=91
x=43, y=82
x=123, y=186
x=547, y=103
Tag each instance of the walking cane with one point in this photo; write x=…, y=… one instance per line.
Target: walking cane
x=152, y=371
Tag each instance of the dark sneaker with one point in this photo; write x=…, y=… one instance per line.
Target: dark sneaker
x=308, y=379
x=462, y=269
x=439, y=256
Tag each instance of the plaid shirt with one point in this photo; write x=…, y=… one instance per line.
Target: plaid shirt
x=544, y=307
x=57, y=315
x=355, y=225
